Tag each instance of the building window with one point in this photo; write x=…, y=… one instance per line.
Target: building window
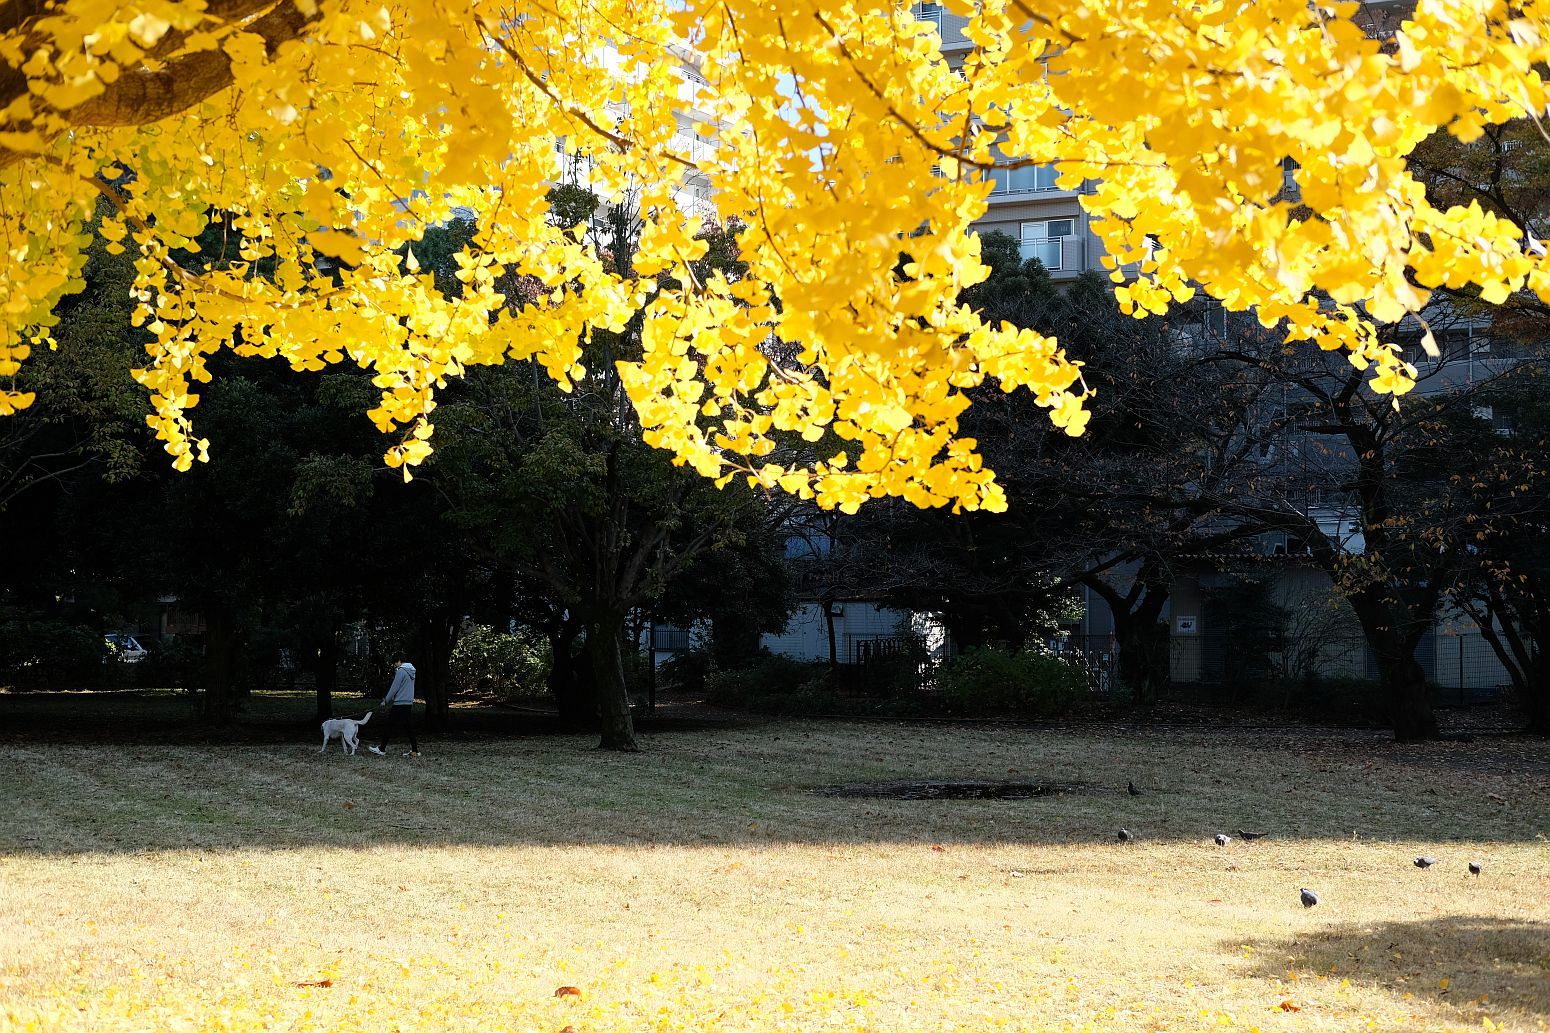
x=1045, y=240
x=1021, y=179
x=929, y=13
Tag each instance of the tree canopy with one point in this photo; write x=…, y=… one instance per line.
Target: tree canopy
x=321, y=137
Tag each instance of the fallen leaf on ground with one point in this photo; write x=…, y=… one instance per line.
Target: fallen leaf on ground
x=939, y=848
x=315, y=982
x=1288, y=1006
x=568, y=991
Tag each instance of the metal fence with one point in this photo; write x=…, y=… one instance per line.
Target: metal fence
x=1098, y=658
x=1218, y=667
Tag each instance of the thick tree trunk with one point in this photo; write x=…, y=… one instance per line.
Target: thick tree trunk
x=1534, y=691
x=1400, y=677
x=220, y=665
x=1404, y=686
x=1143, y=644
x=1536, y=702
x=618, y=730
x=1141, y=640
x=439, y=635
x=570, y=684
x=966, y=632
x=1144, y=660
x=1534, y=685
x=325, y=674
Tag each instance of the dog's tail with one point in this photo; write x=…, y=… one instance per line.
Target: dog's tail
x=367, y=717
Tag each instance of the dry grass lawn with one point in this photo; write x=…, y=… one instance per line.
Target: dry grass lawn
x=699, y=886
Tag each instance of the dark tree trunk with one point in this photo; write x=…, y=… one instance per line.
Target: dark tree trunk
x=618, y=730
x=966, y=632
x=1536, y=701
x=326, y=674
x=1534, y=686
x=1404, y=686
x=220, y=664
x=1141, y=639
x=1144, y=657
x=1399, y=676
x=1517, y=647
x=570, y=682
x=1010, y=630
x=439, y=635
x=828, y=623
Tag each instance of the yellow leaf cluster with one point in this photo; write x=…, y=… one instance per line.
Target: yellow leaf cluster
x=327, y=137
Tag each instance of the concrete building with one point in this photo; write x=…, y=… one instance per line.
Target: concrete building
x=1025, y=203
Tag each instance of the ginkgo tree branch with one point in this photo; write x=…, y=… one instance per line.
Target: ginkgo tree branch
x=143, y=95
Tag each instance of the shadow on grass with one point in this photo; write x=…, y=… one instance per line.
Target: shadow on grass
x=1506, y=962
x=167, y=716
x=124, y=771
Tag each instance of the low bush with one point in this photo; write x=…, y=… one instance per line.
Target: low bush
x=510, y=665
x=687, y=670
x=993, y=681
x=39, y=653
x=769, y=675
x=173, y=663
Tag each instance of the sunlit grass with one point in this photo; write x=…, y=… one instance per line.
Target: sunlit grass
x=699, y=886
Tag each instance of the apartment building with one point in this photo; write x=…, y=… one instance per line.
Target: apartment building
x=1025, y=202
x=693, y=138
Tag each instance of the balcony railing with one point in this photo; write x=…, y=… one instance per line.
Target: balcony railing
x=1057, y=253
x=1028, y=179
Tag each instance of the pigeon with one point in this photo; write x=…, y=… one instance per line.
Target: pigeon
x=1133, y=790
x=1474, y=869
x=1309, y=898
x=1125, y=835
x=1424, y=862
x=1250, y=835
x=1222, y=839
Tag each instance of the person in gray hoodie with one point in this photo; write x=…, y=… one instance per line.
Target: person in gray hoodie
x=400, y=703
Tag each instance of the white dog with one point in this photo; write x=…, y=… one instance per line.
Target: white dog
x=347, y=731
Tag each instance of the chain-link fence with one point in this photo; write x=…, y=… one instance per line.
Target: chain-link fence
x=1236, y=668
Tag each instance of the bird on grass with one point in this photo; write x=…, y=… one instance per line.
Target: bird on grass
x=1133, y=790
x=1424, y=862
x=1309, y=898
x=1125, y=835
x=1222, y=839
x=1250, y=835
x=1474, y=869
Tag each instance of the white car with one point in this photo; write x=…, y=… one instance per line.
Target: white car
x=125, y=649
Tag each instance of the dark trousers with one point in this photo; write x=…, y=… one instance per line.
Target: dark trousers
x=400, y=719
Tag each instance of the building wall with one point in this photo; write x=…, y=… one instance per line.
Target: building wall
x=1454, y=655
x=807, y=636
x=1008, y=212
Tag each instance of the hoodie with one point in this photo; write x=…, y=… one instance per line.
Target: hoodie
x=401, y=693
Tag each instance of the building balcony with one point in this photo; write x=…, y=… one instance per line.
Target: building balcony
x=1058, y=254
x=1025, y=183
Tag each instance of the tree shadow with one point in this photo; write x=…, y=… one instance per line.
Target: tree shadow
x=121, y=772
x=1456, y=963
x=137, y=716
